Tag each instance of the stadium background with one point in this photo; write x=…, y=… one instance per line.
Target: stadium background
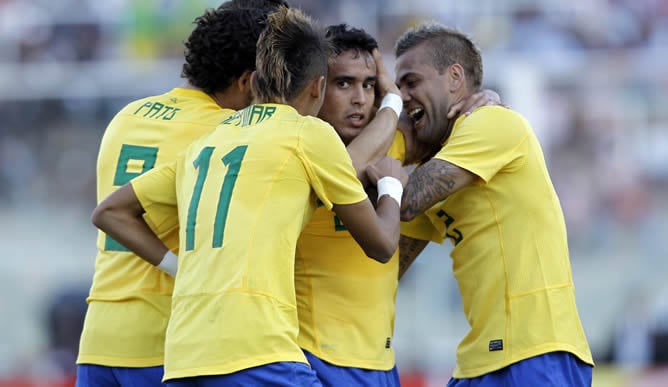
x=591, y=75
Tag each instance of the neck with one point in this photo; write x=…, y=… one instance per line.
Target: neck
x=223, y=99
x=220, y=101
x=306, y=103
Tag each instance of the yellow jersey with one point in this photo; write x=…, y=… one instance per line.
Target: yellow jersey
x=244, y=194
x=129, y=301
x=345, y=299
x=510, y=255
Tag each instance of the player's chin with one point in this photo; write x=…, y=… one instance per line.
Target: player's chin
x=425, y=134
x=349, y=133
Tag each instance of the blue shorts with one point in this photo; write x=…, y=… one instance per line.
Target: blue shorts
x=556, y=369
x=335, y=376
x=91, y=375
x=281, y=374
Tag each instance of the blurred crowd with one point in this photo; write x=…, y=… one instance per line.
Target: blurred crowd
x=591, y=76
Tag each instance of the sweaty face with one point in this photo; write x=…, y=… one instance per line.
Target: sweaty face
x=425, y=94
x=349, y=97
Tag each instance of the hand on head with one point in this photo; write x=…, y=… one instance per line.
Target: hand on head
x=384, y=82
x=482, y=98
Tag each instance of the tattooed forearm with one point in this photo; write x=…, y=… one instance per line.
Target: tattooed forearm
x=409, y=249
x=431, y=183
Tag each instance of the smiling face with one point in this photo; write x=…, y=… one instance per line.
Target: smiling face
x=349, y=97
x=425, y=92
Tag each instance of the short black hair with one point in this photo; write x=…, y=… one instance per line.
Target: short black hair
x=264, y=5
x=342, y=38
x=222, y=47
x=446, y=47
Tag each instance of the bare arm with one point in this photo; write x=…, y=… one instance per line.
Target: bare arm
x=120, y=216
x=374, y=141
x=409, y=249
x=431, y=183
x=377, y=232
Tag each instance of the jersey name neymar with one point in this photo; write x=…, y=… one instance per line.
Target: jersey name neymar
x=129, y=301
x=345, y=299
x=244, y=194
x=510, y=255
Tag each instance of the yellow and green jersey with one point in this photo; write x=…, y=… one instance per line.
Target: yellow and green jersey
x=510, y=255
x=129, y=301
x=345, y=300
x=244, y=193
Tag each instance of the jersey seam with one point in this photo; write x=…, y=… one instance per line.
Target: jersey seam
x=236, y=290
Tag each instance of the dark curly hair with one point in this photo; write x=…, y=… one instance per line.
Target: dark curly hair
x=342, y=38
x=222, y=47
x=265, y=5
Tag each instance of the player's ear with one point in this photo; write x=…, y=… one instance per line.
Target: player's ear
x=318, y=87
x=457, y=77
x=253, y=85
x=244, y=81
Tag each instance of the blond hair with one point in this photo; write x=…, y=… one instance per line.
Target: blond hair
x=291, y=51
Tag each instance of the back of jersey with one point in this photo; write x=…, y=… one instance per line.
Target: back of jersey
x=244, y=194
x=129, y=302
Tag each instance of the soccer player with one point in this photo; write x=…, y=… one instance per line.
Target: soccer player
x=486, y=188
x=122, y=343
x=346, y=303
x=243, y=194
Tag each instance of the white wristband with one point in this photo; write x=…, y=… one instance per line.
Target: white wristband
x=169, y=263
x=392, y=101
x=391, y=186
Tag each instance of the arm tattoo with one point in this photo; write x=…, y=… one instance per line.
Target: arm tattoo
x=409, y=249
x=429, y=184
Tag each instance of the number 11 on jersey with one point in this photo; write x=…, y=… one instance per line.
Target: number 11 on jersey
x=232, y=161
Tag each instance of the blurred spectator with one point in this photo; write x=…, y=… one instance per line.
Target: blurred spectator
x=55, y=365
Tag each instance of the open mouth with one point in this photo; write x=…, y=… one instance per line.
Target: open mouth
x=417, y=115
x=356, y=120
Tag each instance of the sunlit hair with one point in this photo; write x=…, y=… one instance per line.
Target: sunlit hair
x=447, y=46
x=290, y=53
x=343, y=38
x=222, y=47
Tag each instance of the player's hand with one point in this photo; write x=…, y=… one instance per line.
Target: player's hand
x=387, y=166
x=481, y=98
x=384, y=82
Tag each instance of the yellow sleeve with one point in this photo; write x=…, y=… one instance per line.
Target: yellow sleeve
x=156, y=191
x=328, y=164
x=487, y=141
x=421, y=228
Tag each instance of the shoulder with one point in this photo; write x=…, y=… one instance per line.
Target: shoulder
x=492, y=123
x=316, y=122
x=139, y=103
x=310, y=127
x=493, y=116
